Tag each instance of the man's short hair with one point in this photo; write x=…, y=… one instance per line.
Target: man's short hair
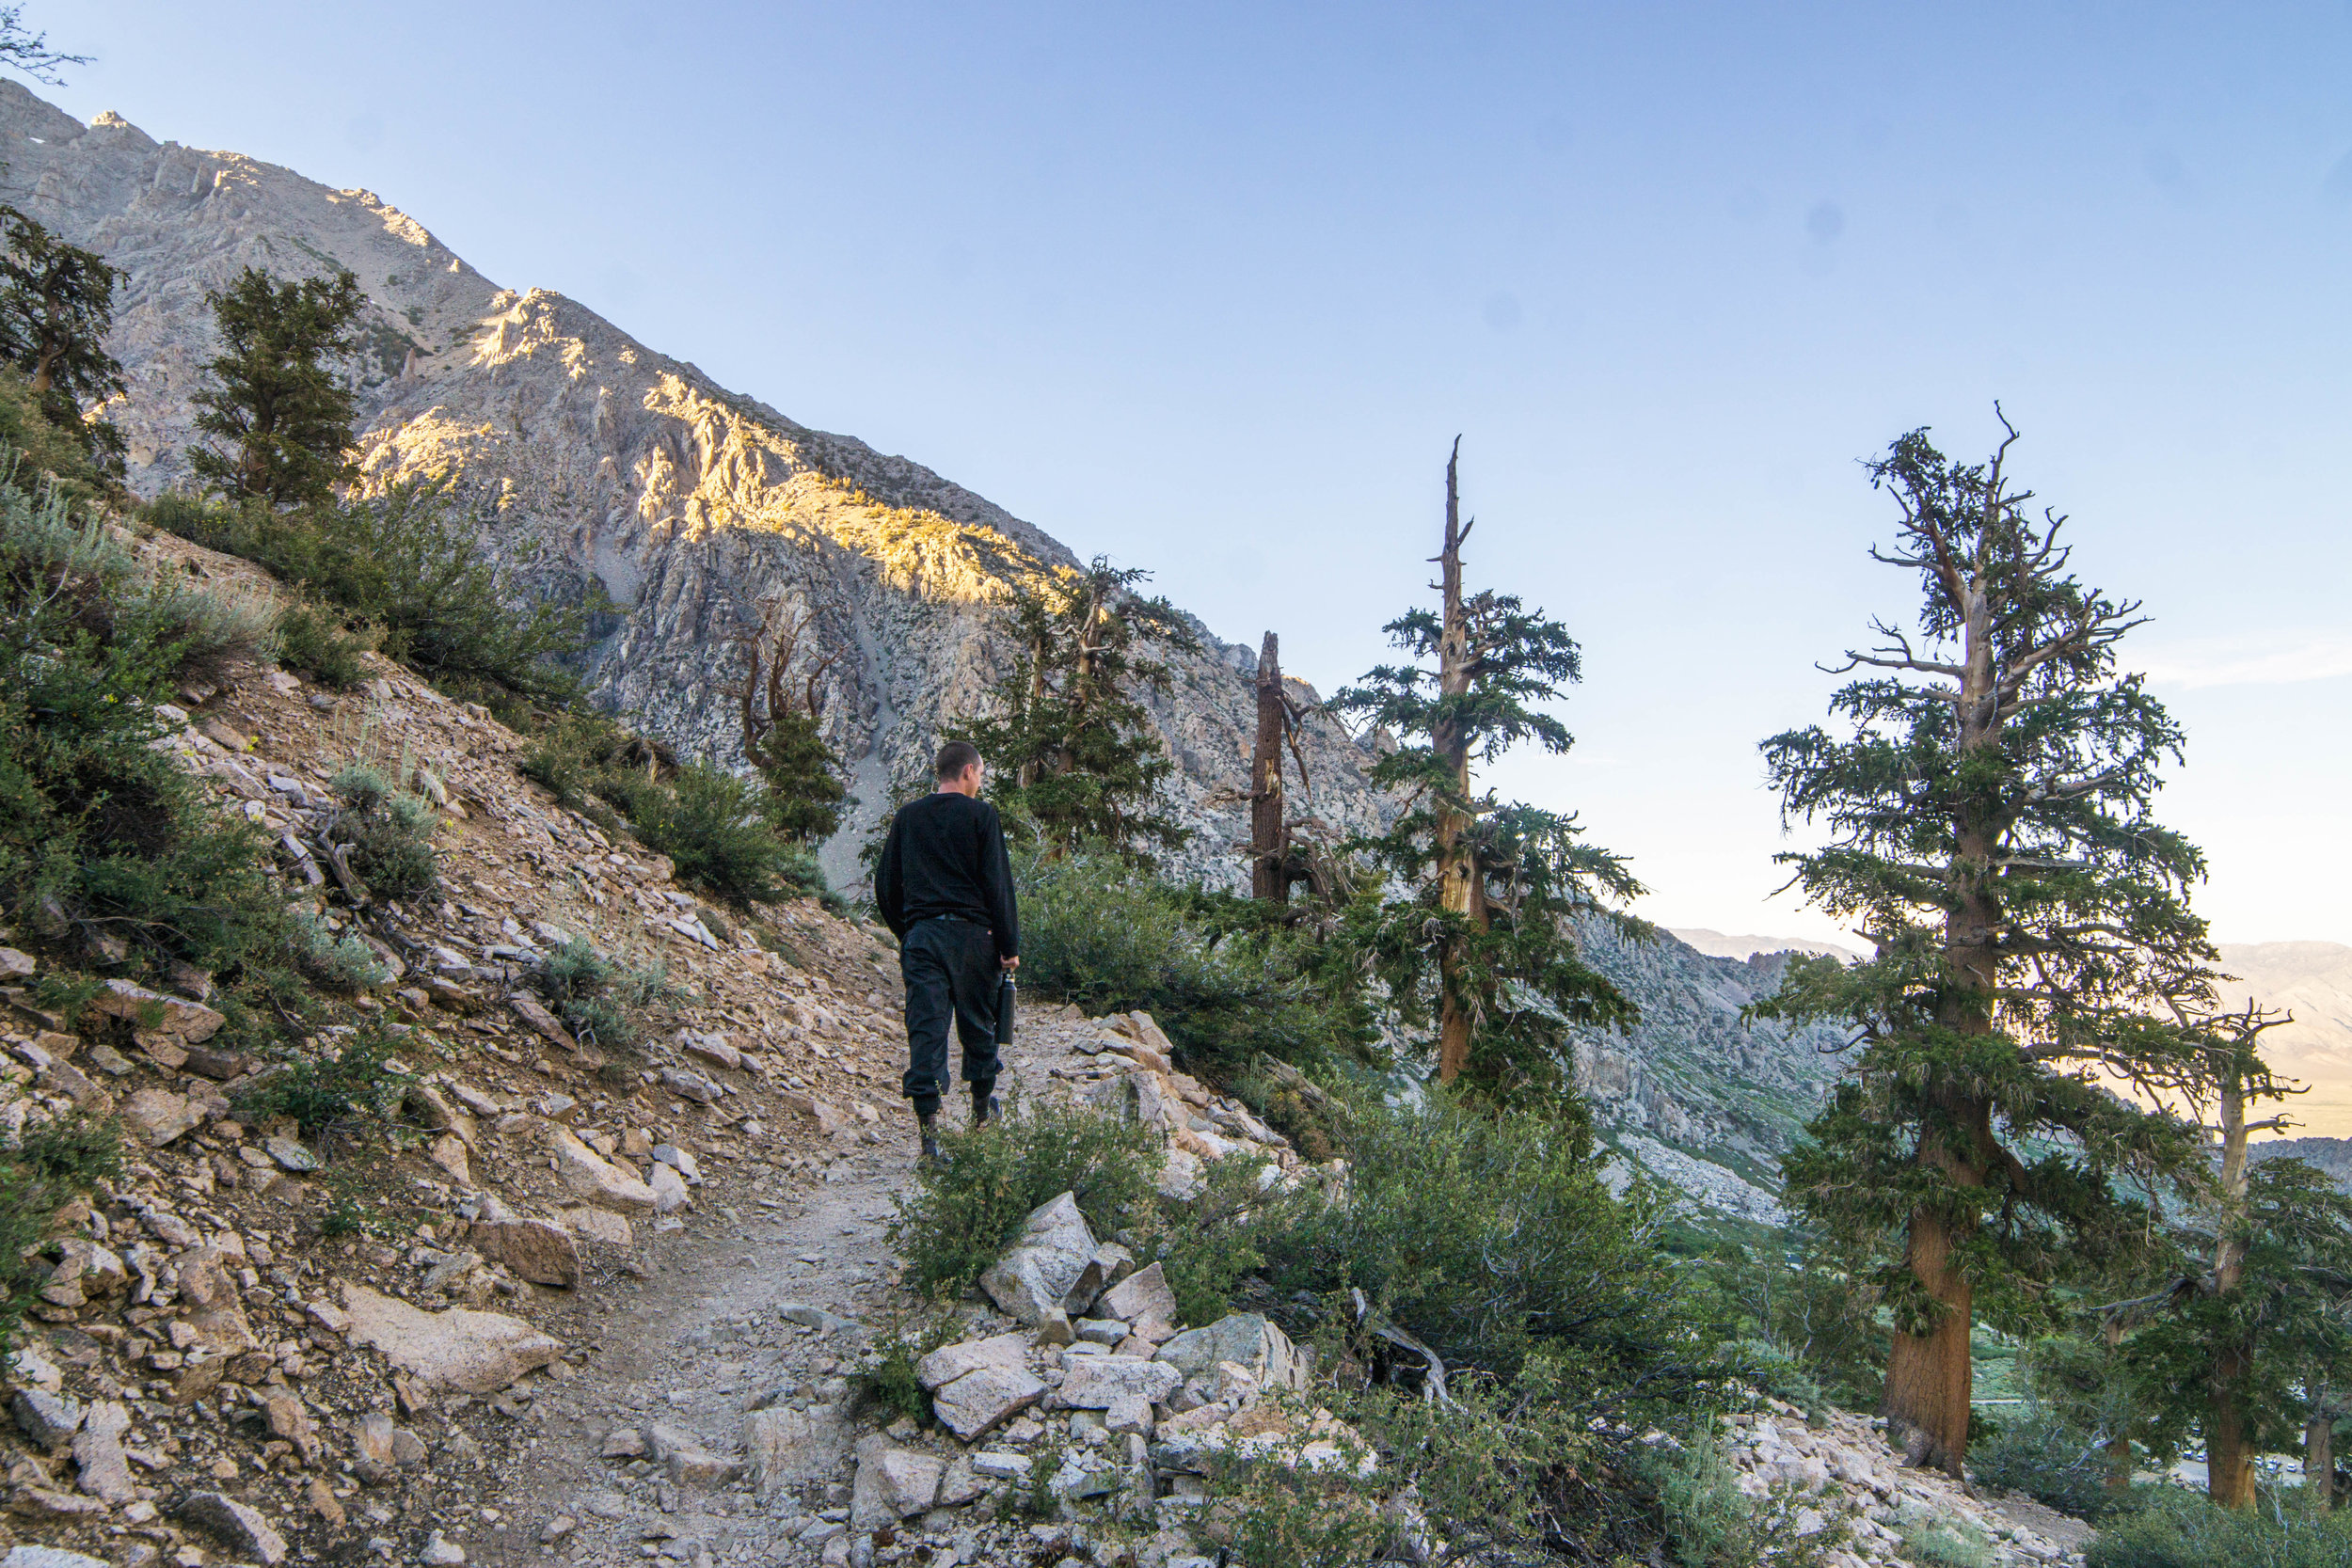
x=954, y=758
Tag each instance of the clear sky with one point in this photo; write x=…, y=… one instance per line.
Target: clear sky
x=1209, y=287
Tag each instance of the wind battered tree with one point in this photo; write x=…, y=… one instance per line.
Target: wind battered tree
x=781, y=734
x=280, y=417
x=1988, y=806
x=1479, y=938
x=57, y=304
x=1069, y=748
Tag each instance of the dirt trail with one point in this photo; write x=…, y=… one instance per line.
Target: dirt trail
x=704, y=1339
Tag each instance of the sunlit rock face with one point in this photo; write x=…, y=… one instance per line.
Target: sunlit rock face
x=607, y=474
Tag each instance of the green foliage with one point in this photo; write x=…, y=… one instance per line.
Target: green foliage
x=1100, y=931
x=101, y=835
x=958, y=1218
x=341, y=964
x=1205, y=1244
x=1710, y=1523
x=388, y=834
x=47, y=454
x=56, y=305
x=1795, y=1301
x=1490, y=1236
x=2050, y=1459
x=332, y=1089
x=1472, y=931
x=713, y=826
x=315, y=644
x=1070, y=750
x=887, y=1377
x=783, y=738
x=2168, y=1527
x=278, y=415
x=599, y=1000
x=1946, y=1543
x=49, y=1164
x=405, y=569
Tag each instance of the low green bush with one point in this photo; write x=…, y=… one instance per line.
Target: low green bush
x=599, y=1000
x=2048, y=1458
x=335, y=962
x=1489, y=1235
x=1104, y=933
x=334, y=1088
x=105, y=844
x=957, y=1216
x=1945, y=1543
x=315, y=644
x=407, y=562
x=714, y=827
x=50, y=1163
x=388, y=834
x=2168, y=1526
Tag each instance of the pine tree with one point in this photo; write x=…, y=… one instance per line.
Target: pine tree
x=283, y=419
x=1479, y=936
x=1989, y=809
x=56, y=305
x=782, y=734
x=1069, y=748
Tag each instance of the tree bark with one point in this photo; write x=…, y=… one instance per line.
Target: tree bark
x=2319, y=1449
x=1269, y=854
x=1457, y=881
x=2229, y=1457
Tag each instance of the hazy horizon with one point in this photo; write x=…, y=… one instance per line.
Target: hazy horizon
x=1212, y=293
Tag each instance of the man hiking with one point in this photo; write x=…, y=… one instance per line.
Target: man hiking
x=945, y=888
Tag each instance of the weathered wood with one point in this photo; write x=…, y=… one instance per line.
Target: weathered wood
x=1270, y=835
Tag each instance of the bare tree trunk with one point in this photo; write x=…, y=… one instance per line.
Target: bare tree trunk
x=1269, y=873
x=1457, y=881
x=2119, y=1445
x=1930, y=1377
x=2319, y=1447
x=2228, y=1458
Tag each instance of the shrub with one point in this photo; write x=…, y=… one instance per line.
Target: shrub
x=2048, y=1458
x=714, y=827
x=315, y=644
x=103, y=838
x=2168, y=1526
x=51, y=1161
x=597, y=998
x=961, y=1215
x=332, y=962
x=1109, y=936
x=405, y=562
x=1946, y=1543
x=1490, y=1236
x=332, y=1089
x=1204, y=1245
x=389, y=832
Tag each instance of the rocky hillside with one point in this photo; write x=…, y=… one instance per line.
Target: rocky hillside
x=603, y=470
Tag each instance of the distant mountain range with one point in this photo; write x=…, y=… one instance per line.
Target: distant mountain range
x=2311, y=980
x=1717, y=945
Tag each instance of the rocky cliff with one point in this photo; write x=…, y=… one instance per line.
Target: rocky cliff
x=603, y=471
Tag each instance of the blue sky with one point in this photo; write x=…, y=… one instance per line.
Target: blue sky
x=1210, y=288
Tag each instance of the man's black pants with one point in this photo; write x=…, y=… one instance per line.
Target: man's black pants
x=951, y=971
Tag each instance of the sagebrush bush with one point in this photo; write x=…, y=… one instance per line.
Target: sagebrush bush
x=388, y=834
x=1110, y=935
x=1946, y=1543
x=408, y=562
x=597, y=999
x=332, y=962
x=957, y=1216
x=103, y=838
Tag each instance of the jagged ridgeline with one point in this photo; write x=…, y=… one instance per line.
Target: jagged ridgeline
x=605, y=473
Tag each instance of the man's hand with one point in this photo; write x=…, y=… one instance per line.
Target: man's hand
x=1010, y=964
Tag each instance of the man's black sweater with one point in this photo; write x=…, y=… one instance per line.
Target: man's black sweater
x=946, y=855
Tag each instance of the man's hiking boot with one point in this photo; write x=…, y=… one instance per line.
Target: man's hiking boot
x=932, y=1152
x=983, y=1107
